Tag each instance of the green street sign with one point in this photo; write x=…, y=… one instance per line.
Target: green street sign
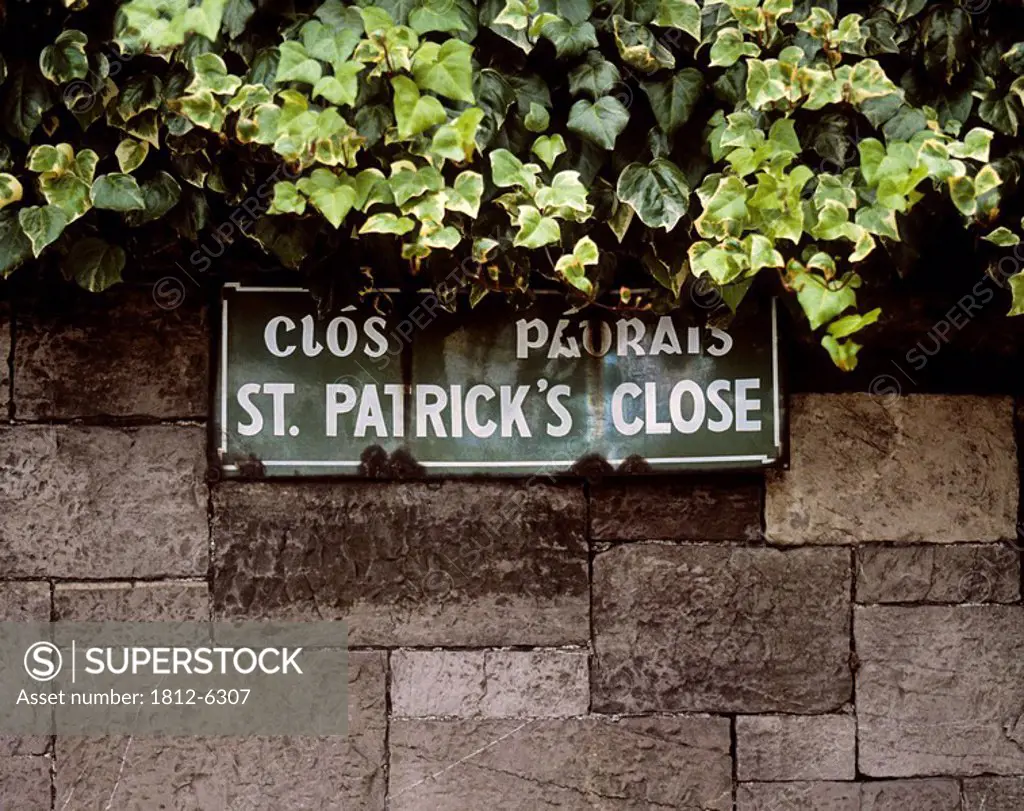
x=415, y=390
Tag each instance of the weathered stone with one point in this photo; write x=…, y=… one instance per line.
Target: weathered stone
x=677, y=510
x=919, y=795
x=90, y=502
x=994, y=794
x=917, y=468
x=25, y=783
x=5, y=354
x=798, y=797
x=490, y=684
x=241, y=774
x=407, y=564
x=721, y=629
x=119, y=354
x=573, y=764
x=940, y=690
x=164, y=601
x=791, y=747
x=961, y=573
x=24, y=602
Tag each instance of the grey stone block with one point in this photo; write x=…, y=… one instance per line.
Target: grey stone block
x=932, y=573
x=800, y=796
x=725, y=509
x=119, y=354
x=919, y=795
x=24, y=602
x=573, y=764
x=91, y=502
x=490, y=684
x=25, y=783
x=162, y=601
x=994, y=794
x=293, y=773
x=931, y=468
x=791, y=747
x=721, y=629
x=407, y=564
x=940, y=690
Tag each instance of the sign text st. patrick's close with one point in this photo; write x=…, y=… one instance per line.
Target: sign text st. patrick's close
x=489, y=391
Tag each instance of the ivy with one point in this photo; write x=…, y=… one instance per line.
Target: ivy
x=573, y=143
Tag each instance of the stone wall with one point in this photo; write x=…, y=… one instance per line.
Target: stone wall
x=844, y=636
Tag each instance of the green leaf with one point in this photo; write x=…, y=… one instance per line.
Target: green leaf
x=387, y=223
x=822, y=301
x=600, y=122
x=681, y=14
x=729, y=47
x=673, y=100
x=843, y=353
x=507, y=170
x=26, y=98
x=331, y=195
x=535, y=231
x=1002, y=236
x=287, y=199
x=139, y=94
x=117, y=192
x=437, y=15
x=1001, y=113
x=160, y=194
x=975, y=145
x=570, y=39
x=10, y=189
x=203, y=109
x=1016, y=289
x=42, y=225
x=548, y=148
x=414, y=113
x=639, y=48
x=537, y=119
x=295, y=65
x=210, y=73
x=457, y=141
x=65, y=60
x=465, y=194
x=94, y=264
x=237, y=14
x=566, y=197
x=343, y=87
x=445, y=69
x=15, y=247
x=658, y=193
x=595, y=76
x=130, y=154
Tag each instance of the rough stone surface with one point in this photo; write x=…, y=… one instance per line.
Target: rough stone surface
x=165, y=601
x=490, y=684
x=25, y=783
x=791, y=747
x=902, y=795
x=994, y=794
x=677, y=509
x=587, y=764
x=721, y=629
x=798, y=797
x=940, y=690
x=962, y=573
x=917, y=468
x=5, y=354
x=90, y=502
x=407, y=564
x=241, y=774
x=123, y=354
x=24, y=602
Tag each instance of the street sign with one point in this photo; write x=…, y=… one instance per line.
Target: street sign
x=489, y=390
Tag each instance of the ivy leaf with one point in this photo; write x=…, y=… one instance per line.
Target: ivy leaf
x=414, y=113
x=595, y=76
x=507, y=170
x=117, y=192
x=237, y=14
x=822, y=301
x=1016, y=289
x=1002, y=236
x=42, y=225
x=139, y=94
x=573, y=266
x=457, y=141
x=15, y=247
x=681, y=14
x=343, y=87
x=203, y=109
x=1001, y=113
x=26, y=98
x=65, y=60
x=287, y=199
x=639, y=48
x=548, y=148
x=130, y=154
x=10, y=189
x=295, y=65
x=436, y=15
x=535, y=231
x=210, y=73
x=570, y=39
x=160, y=194
x=729, y=47
x=465, y=194
x=600, y=122
x=387, y=223
x=331, y=195
x=537, y=119
x=673, y=100
x=94, y=264
x=658, y=192
x=975, y=145
x=566, y=197
x=445, y=69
